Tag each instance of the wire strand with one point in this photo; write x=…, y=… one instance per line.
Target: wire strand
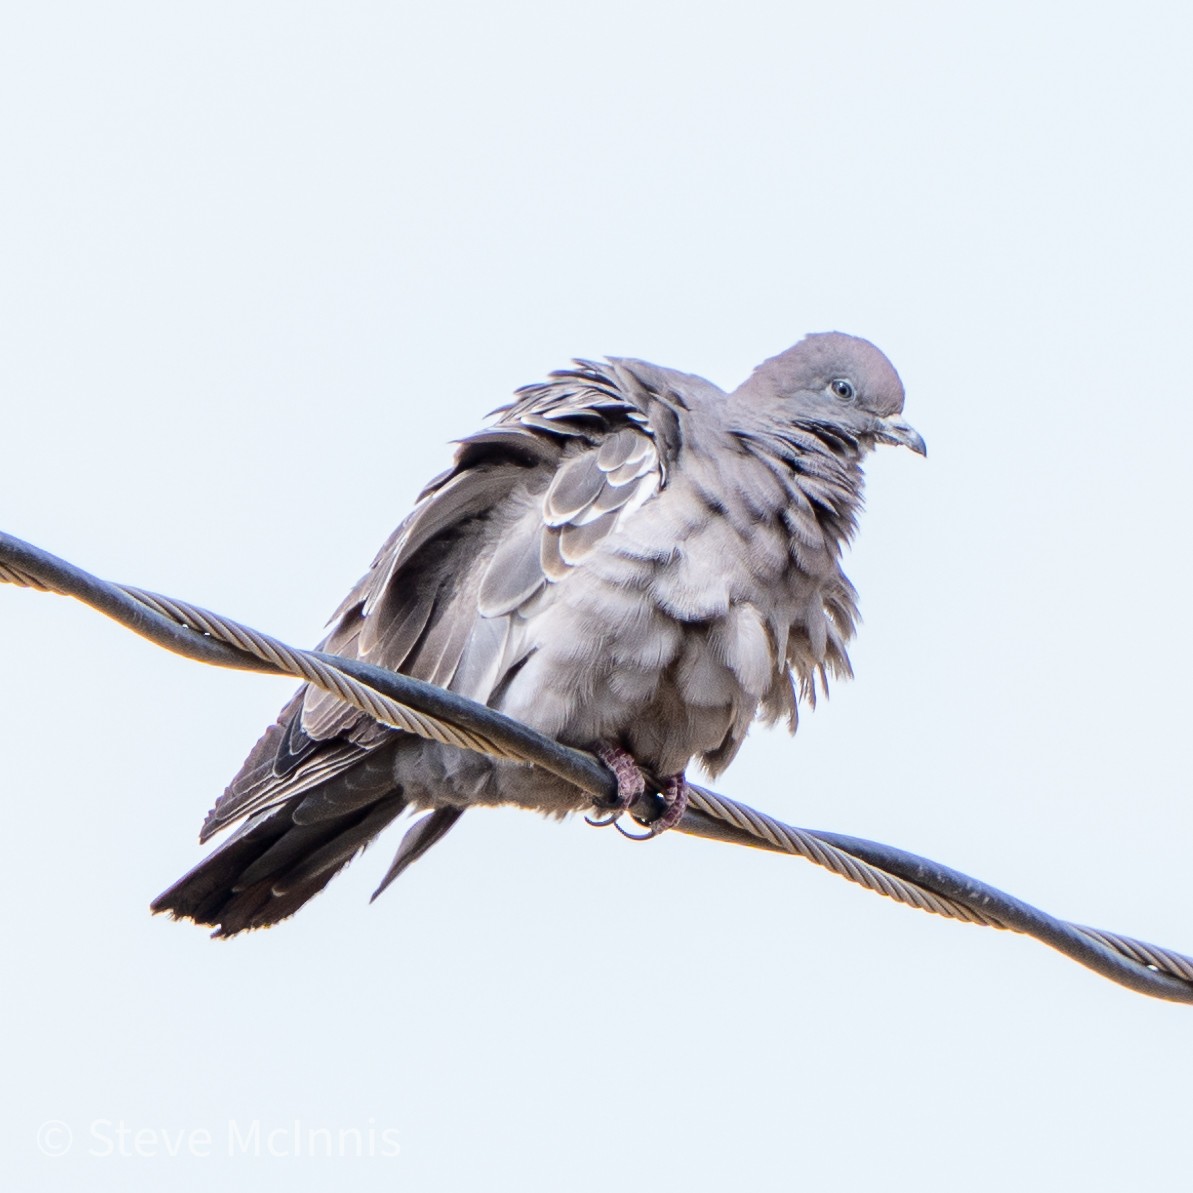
x=412, y=706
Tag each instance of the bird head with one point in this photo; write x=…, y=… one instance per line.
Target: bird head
x=836, y=382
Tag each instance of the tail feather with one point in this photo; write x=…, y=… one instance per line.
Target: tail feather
x=271, y=866
x=418, y=839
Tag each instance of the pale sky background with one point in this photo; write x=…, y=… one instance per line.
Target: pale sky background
x=261, y=262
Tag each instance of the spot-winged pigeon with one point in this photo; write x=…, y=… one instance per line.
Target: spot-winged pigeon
x=628, y=559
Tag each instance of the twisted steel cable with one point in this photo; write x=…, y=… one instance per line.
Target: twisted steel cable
x=309, y=666
x=413, y=706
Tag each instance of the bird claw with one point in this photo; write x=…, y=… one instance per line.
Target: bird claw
x=612, y=818
x=631, y=784
x=625, y=832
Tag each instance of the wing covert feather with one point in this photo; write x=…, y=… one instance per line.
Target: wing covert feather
x=528, y=499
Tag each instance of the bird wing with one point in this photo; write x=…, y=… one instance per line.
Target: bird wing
x=526, y=500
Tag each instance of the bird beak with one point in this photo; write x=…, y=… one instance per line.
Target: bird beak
x=895, y=430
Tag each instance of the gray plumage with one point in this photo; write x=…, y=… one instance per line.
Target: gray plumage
x=627, y=557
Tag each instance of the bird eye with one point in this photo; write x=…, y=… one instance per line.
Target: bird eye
x=842, y=388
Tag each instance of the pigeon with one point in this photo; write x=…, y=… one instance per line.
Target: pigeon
x=627, y=559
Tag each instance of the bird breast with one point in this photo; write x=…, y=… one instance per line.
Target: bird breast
x=672, y=633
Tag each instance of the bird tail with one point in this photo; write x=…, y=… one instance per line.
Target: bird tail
x=272, y=865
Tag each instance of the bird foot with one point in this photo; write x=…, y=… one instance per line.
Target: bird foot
x=631, y=783
x=675, y=795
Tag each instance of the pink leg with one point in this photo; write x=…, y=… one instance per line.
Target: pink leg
x=675, y=796
x=631, y=783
